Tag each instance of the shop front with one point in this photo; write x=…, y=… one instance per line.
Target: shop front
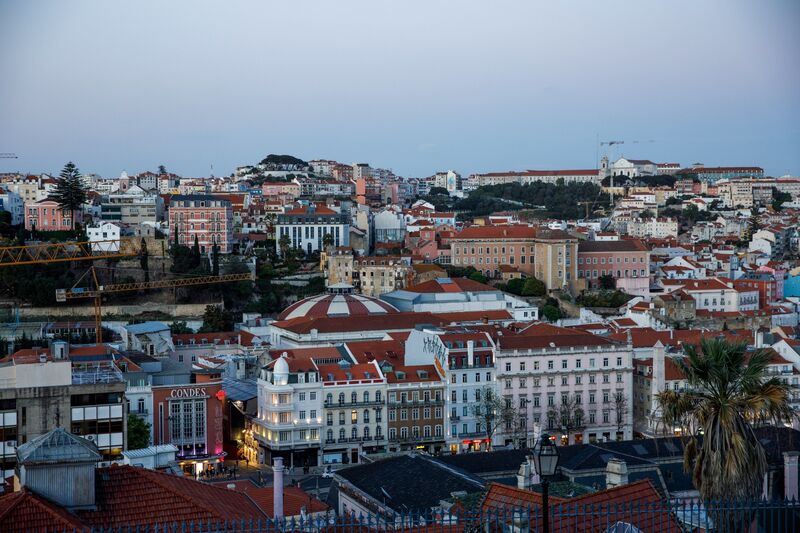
x=190, y=417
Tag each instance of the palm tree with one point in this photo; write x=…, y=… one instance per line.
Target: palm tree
x=728, y=394
x=327, y=240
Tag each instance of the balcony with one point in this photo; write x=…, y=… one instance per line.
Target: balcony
x=345, y=405
x=416, y=403
x=471, y=435
x=431, y=438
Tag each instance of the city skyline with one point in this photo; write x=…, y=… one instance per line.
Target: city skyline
x=467, y=88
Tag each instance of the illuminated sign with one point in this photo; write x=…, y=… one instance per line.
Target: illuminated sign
x=187, y=393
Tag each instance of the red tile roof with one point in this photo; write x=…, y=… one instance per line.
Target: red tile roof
x=625, y=245
x=360, y=371
x=453, y=285
x=496, y=232
x=386, y=350
x=294, y=499
x=130, y=495
x=24, y=512
x=615, y=503
x=302, y=359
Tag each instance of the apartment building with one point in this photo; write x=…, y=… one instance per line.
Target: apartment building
x=204, y=218
x=657, y=228
x=369, y=275
x=555, y=260
x=465, y=359
x=13, y=204
x=572, y=383
x=133, y=208
x=306, y=227
x=532, y=176
x=355, y=421
x=415, y=407
x=485, y=248
x=79, y=388
x=712, y=175
x=627, y=260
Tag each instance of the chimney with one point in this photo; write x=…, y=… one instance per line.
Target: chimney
x=791, y=491
x=616, y=473
x=277, y=489
x=527, y=476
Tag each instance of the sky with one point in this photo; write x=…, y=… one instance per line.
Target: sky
x=415, y=86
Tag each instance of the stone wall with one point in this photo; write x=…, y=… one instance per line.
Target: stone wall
x=87, y=311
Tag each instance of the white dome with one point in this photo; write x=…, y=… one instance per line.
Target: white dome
x=281, y=367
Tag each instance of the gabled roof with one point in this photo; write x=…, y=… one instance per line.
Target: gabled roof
x=130, y=495
x=57, y=446
x=624, y=245
x=24, y=511
x=411, y=482
x=450, y=285
x=613, y=502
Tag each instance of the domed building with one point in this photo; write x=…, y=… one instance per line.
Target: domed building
x=339, y=301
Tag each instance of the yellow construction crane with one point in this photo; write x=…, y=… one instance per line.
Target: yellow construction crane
x=54, y=252
x=97, y=290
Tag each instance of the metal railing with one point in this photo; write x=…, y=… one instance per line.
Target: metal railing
x=629, y=516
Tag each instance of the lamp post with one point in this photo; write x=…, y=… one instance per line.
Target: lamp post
x=545, y=460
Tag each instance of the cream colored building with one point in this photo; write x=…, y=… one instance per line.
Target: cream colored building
x=556, y=260
x=369, y=275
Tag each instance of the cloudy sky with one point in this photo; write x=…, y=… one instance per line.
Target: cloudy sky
x=416, y=86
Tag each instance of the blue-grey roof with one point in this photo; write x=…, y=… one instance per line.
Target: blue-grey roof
x=146, y=327
x=240, y=389
x=57, y=446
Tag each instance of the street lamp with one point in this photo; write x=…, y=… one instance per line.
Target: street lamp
x=545, y=460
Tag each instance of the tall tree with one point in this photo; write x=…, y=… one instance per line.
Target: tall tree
x=162, y=170
x=284, y=243
x=728, y=390
x=490, y=410
x=567, y=415
x=138, y=433
x=70, y=191
x=621, y=410
x=215, y=260
x=144, y=261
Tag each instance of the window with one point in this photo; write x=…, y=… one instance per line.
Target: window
x=365, y=416
x=564, y=364
x=508, y=367
x=550, y=365
x=341, y=418
x=301, y=397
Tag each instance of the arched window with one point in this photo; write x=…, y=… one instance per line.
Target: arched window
x=330, y=434
x=377, y=396
x=366, y=396
x=354, y=432
x=341, y=433
x=341, y=397
x=366, y=416
x=354, y=397
x=366, y=432
x=329, y=398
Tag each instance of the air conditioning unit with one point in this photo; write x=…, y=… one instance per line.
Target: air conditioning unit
x=89, y=437
x=11, y=443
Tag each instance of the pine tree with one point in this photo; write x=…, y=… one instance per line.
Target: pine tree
x=70, y=190
x=215, y=260
x=196, y=251
x=144, y=261
x=162, y=170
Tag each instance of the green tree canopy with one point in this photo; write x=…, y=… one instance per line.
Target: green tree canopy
x=728, y=391
x=138, y=433
x=215, y=318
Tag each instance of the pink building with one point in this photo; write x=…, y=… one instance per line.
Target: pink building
x=487, y=247
x=46, y=215
x=283, y=191
x=206, y=217
x=627, y=261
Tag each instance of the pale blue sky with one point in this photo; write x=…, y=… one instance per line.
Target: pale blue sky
x=413, y=86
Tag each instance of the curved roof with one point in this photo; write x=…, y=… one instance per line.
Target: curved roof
x=333, y=305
